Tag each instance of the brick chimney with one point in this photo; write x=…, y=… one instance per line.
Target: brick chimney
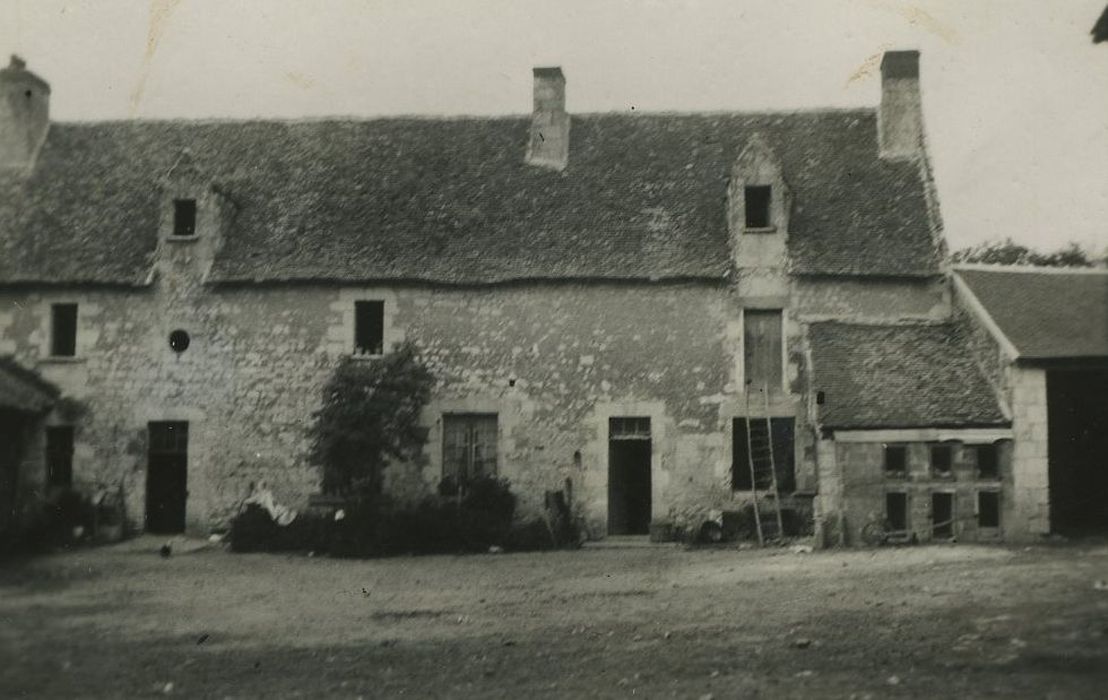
x=549, y=144
x=24, y=114
x=900, y=117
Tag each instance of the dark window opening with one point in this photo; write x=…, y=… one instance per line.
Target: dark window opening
x=942, y=459
x=896, y=459
x=762, y=349
x=468, y=446
x=988, y=509
x=63, y=330
x=179, y=341
x=369, y=327
x=756, y=450
x=59, y=456
x=942, y=515
x=988, y=465
x=896, y=512
x=757, y=199
x=184, y=217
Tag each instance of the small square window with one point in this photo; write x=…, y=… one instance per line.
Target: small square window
x=988, y=466
x=59, y=456
x=988, y=509
x=369, y=327
x=757, y=198
x=184, y=217
x=896, y=459
x=63, y=330
x=942, y=460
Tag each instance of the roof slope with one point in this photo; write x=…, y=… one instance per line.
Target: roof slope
x=1045, y=313
x=23, y=390
x=916, y=376
x=452, y=201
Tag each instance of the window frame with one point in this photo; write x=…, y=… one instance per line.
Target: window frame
x=895, y=532
x=70, y=334
x=470, y=422
x=894, y=473
x=756, y=192
x=786, y=477
x=189, y=206
x=781, y=359
x=377, y=333
x=948, y=448
x=994, y=493
x=994, y=448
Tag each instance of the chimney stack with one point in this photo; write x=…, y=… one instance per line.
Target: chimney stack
x=900, y=117
x=24, y=115
x=549, y=144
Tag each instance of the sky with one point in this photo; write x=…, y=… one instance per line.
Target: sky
x=1015, y=94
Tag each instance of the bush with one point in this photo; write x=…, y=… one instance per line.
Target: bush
x=253, y=530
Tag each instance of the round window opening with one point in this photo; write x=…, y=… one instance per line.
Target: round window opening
x=179, y=341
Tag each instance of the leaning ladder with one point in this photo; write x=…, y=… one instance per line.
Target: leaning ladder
x=760, y=459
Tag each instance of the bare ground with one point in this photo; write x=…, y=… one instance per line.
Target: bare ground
x=648, y=622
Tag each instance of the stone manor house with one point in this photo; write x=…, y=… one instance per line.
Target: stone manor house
x=617, y=300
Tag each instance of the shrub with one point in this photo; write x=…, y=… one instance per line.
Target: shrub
x=253, y=530
x=370, y=414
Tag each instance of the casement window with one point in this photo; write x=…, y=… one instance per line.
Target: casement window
x=59, y=456
x=763, y=360
x=988, y=464
x=756, y=450
x=63, y=330
x=942, y=459
x=369, y=327
x=896, y=460
x=184, y=217
x=757, y=200
x=896, y=512
x=988, y=509
x=469, y=446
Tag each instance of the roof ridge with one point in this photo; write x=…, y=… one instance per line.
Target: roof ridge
x=352, y=119
x=1029, y=269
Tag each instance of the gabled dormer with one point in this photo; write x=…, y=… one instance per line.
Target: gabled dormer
x=759, y=203
x=194, y=214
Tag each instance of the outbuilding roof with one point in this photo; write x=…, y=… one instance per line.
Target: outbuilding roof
x=451, y=200
x=899, y=376
x=22, y=390
x=1044, y=313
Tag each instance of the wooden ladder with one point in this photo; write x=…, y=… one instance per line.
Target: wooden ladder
x=760, y=459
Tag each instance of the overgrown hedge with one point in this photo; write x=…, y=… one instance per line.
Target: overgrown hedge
x=474, y=521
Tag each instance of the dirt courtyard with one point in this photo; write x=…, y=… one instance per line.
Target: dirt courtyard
x=610, y=622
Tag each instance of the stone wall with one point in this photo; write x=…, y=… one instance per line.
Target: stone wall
x=553, y=360
x=860, y=471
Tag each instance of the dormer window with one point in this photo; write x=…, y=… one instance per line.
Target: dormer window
x=184, y=218
x=757, y=200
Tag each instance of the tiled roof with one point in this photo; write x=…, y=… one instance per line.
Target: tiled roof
x=910, y=376
x=451, y=200
x=22, y=390
x=1046, y=313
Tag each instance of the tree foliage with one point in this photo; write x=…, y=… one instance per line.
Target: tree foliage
x=1008, y=252
x=370, y=415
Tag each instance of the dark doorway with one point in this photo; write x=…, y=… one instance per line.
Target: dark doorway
x=167, y=477
x=629, y=476
x=1077, y=434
